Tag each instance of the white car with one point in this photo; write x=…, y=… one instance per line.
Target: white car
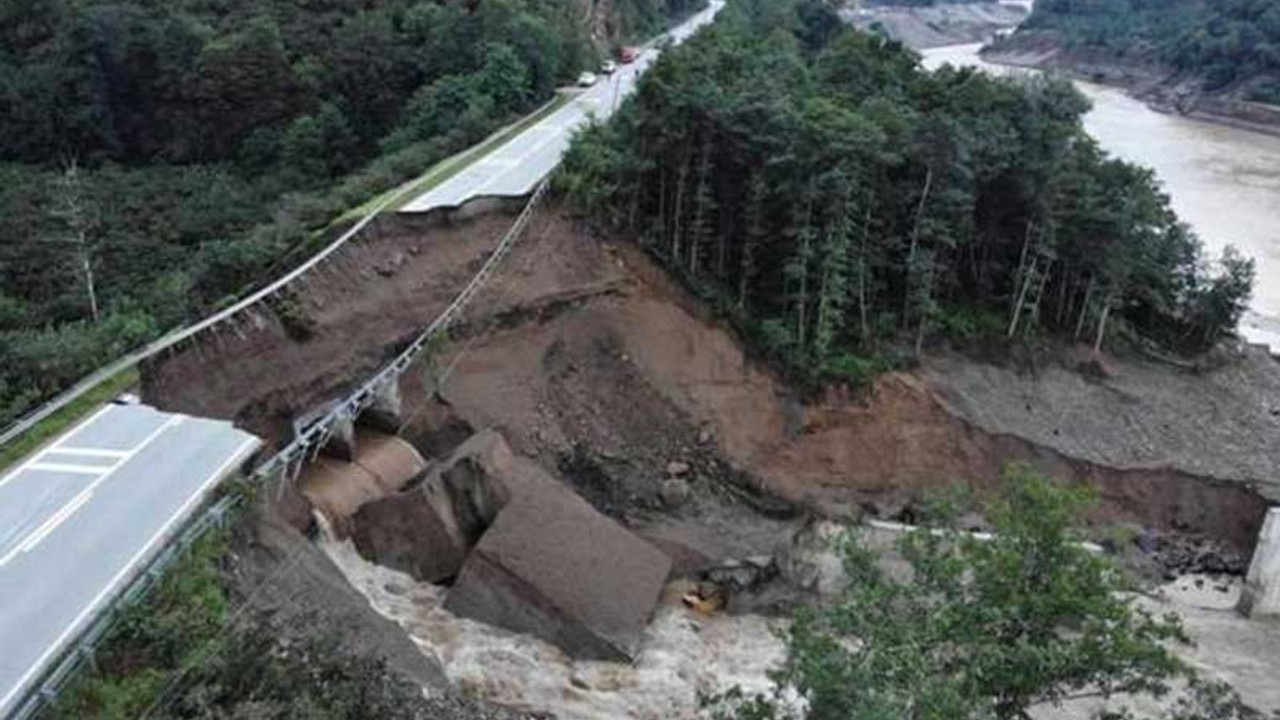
x=586, y=79
x=609, y=67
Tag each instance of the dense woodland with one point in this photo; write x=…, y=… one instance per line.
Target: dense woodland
x=837, y=199
x=160, y=156
x=1225, y=41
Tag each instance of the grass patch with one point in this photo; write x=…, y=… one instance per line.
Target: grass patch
x=154, y=640
x=55, y=424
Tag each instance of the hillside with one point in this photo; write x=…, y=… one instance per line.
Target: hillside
x=928, y=25
x=159, y=158
x=1212, y=60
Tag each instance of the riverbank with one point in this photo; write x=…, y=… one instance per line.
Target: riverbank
x=1161, y=88
x=1205, y=167
x=922, y=28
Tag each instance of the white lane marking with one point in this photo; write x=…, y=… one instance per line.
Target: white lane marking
x=34, y=538
x=29, y=543
x=64, y=468
x=35, y=457
x=241, y=452
x=87, y=451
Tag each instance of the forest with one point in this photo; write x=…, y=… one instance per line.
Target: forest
x=158, y=157
x=1224, y=42
x=837, y=200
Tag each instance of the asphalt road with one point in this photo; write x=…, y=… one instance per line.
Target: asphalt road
x=82, y=515
x=516, y=167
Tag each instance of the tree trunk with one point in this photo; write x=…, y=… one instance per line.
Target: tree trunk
x=926, y=300
x=1084, y=309
x=1022, y=297
x=1022, y=259
x=662, y=209
x=87, y=264
x=915, y=242
x=1102, y=324
x=863, y=276
x=678, y=213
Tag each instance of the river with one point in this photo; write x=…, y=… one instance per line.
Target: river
x=1224, y=182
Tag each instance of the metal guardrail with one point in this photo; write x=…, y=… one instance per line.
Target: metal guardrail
x=286, y=462
x=311, y=439
x=173, y=338
x=55, y=681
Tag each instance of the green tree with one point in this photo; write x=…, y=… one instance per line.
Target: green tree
x=981, y=628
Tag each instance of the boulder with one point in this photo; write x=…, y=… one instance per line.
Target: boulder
x=674, y=492
x=414, y=532
x=677, y=468
x=428, y=529
x=553, y=567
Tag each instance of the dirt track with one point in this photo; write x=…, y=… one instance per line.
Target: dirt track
x=591, y=359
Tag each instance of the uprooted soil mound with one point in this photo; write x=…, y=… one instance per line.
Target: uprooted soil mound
x=592, y=360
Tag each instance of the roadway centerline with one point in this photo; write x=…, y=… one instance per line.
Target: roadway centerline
x=60, y=516
x=149, y=547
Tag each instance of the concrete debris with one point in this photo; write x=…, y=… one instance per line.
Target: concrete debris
x=740, y=576
x=674, y=492
x=1178, y=555
x=811, y=561
x=427, y=530
x=553, y=567
x=1261, y=594
x=677, y=468
x=338, y=489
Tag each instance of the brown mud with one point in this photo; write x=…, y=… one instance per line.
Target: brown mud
x=589, y=358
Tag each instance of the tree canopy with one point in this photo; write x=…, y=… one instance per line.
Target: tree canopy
x=831, y=195
x=984, y=628
x=209, y=139
x=1224, y=42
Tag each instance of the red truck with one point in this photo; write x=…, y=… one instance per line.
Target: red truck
x=627, y=55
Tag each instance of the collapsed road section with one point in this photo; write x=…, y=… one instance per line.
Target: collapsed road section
x=82, y=517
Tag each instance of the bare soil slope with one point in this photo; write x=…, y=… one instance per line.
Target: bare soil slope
x=592, y=360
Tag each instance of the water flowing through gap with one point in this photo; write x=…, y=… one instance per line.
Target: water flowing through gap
x=1223, y=182
x=683, y=652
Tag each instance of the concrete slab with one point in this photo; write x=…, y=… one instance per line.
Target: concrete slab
x=1261, y=594
x=553, y=567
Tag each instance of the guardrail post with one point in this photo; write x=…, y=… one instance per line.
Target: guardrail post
x=385, y=412
x=342, y=439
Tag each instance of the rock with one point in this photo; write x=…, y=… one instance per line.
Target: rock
x=811, y=560
x=971, y=522
x=553, y=567
x=674, y=492
x=428, y=530
x=413, y=532
x=676, y=468
x=743, y=575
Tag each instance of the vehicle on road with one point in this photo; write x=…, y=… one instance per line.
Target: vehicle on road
x=608, y=68
x=628, y=55
x=586, y=79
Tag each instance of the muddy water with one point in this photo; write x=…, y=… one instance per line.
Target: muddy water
x=682, y=654
x=1222, y=181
